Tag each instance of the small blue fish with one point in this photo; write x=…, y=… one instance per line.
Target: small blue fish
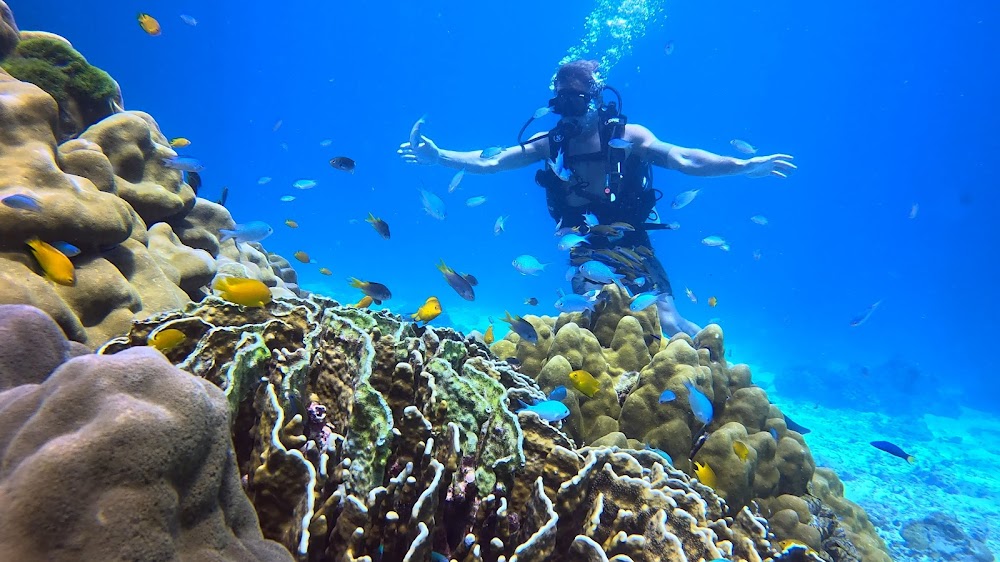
x=590, y=219
x=660, y=452
x=542, y=112
x=574, y=303
x=500, y=225
x=189, y=20
x=455, y=180
x=69, y=250
x=528, y=265
x=599, y=272
x=475, y=201
x=548, y=410
x=864, y=316
x=743, y=146
x=570, y=241
x=667, y=396
x=792, y=425
x=491, y=152
x=642, y=301
x=522, y=328
x=438, y=557
x=304, y=184
x=640, y=281
x=558, y=167
x=571, y=273
x=22, y=202
x=558, y=393
x=774, y=433
x=619, y=143
x=254, y=231
x=183, y=163
x=433, y=205
x=701, y=406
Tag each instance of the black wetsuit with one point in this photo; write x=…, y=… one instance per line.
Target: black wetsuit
x=633, y=204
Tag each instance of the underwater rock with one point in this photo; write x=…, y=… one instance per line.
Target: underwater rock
x=114, y=457
x=358, y=434
x=8, y=31
x=940, y=537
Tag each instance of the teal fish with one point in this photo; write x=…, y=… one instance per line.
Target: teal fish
x=528, y=265
x=475, y=201
x=548, y=410
x=254, y=231
x=433, y=205
x=701, y=406
x=642, y=301
x=743, y=146
x=660, y=452
x=667, y=396
x=491, y=152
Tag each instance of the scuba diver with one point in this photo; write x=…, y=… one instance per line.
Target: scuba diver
x=601, y=166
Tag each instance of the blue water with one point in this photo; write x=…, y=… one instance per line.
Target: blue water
x=883, y=105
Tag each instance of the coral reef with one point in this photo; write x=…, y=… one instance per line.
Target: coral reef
x=142, y=449
x=634, y=366
x=147, y=244
x=358, y=434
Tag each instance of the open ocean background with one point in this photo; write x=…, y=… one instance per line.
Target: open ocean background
x=887, y=107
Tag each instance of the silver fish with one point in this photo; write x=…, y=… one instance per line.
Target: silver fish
x=455, y=180
x=500, y=224
x=683, y=199
x=432, y=204
x=743, y=146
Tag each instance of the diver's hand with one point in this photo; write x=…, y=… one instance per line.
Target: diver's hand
x=773, y=165
x=426, y=152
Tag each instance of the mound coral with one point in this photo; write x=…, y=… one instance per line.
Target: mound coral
x=752, y=454
x=118, y=457
x=147, y=243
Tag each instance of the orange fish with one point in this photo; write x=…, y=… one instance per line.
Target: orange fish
x=712, y=301
x=365, y=302
x=55, y=264
x=149, y=24
x=301, y=256
x=291, y=224
x=180, y=142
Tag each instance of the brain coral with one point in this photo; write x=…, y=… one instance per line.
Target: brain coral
x=114, y=457
x=362, y=437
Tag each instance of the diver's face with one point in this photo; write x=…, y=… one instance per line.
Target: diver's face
x=571, y=103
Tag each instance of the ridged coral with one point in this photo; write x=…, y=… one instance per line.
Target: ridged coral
x=359, y=435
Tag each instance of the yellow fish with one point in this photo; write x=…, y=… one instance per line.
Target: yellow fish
x=705, y=474
x=180, y=142
x=301, y=256
x=741, y=450
x=365, y=302
x=429, y=311
x=585, y=382
x=55, y=264
x=488, y=336
x=165, y=340
x=291, y=224
x=247, y=292
x=787, y=545
x=325, y=271
x=149, y=24
x=712, y=301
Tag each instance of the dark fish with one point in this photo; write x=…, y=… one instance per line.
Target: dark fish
x=223, y=197
x=379, y=225
x=461, y=282
x=22, y=202
x=513, y=361
x=377, y=291
x=532, y=301
x=343, y=164
x=522, y=327
x=194, y=180
x=698, y=443
x=795, y=427
x=893, y=450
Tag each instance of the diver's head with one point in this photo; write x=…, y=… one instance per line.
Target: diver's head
x=576, y=88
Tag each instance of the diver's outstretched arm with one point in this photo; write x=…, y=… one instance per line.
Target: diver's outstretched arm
x=511, y=158
x=697, y=162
